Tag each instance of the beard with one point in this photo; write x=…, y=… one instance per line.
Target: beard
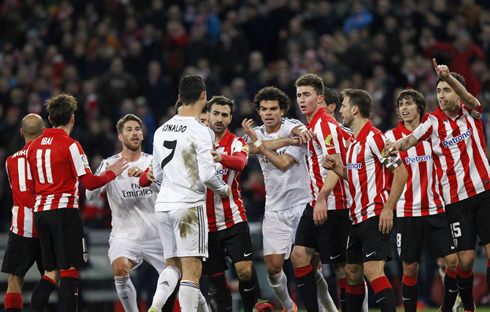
x=132, y=147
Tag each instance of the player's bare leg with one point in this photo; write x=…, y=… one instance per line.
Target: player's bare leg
x=13, y=297
x=124, y=286
x=249, y=285
x=278, y=281
x=464, y=277
x=383, y=292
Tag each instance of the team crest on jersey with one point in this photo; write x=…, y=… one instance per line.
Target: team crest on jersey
x=328, y=142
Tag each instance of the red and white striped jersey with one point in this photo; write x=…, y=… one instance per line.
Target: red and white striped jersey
x=55, y=162
x=22, y=210
x=226, y=212
x=459, y=152
x=329, y=139
x=368, y=166
x=420, y=195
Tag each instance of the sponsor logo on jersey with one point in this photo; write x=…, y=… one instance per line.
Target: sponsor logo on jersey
x=417, y=159
x=222, y=171
x=456, y=140
x=354, y=166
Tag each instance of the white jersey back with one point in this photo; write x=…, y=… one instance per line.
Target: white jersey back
x=132, y=206
x=182, y=161
x=289, y=188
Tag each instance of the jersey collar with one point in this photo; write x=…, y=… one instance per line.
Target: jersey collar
x=403, y=129
x=225, y=139
x=54, y=131
x=441, y=116
x=317, y=116
x=364, y=131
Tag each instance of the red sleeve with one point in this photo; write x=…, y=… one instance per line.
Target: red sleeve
x=92, y=182
x=143, y=181
x=236, y=161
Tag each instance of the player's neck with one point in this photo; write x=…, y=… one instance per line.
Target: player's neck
x=131, y=155
x=273, y=129
x=219, y=136
x=451, y=113
x=357, y=125
x=67, y=128
x=193, y=110
x=310, y=116
x=412, y=125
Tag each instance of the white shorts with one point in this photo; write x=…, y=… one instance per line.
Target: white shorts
x=184, y=232
x=279, y=230
x=137, y=251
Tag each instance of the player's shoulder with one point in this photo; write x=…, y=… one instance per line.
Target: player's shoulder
x=291, y=121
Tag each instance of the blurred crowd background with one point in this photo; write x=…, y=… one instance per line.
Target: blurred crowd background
x=127, y=56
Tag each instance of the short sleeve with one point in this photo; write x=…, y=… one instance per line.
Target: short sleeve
x=424, y=130
x=79, y=160
x=475, y=113
x=328, y=137
x=239, y=146
x=289, y=124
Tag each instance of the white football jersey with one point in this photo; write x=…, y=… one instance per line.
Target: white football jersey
x=132, y=206
x=182, y=161
x=289, y=188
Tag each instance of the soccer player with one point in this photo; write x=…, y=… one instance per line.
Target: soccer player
x=285, y=171
x=455, y=132
x=183, y=163
x=23, y=248
x=420, y=209
x=371, y=202
x=319, y=231
x=55, y=163
x=229, y=234
x=134, y=235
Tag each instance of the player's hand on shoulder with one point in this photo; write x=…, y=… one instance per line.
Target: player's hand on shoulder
x=216, y=156
x=441, y=70
x=247, y=126
x=134, y=172
x=119, y=166
x=328, y=162
x=305, y=135
x=228, y=191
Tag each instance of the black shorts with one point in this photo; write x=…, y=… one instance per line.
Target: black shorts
x=469, y=218
x=412, y=232
x=234, y=242
x=329, y=239
x=367, y=243
x=61, y=236
x=20, y=255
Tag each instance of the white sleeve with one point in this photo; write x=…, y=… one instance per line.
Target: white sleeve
x=94, y=194
x=289, y=124
x=157, y=170
x=207, y=170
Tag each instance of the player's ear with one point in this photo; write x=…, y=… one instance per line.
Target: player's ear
x=21, y=132
x=119, y=136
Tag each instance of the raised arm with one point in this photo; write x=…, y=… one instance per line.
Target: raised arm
x=467, y=98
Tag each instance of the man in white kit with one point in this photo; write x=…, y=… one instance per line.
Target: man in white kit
x=134, y=235
x=182, y=161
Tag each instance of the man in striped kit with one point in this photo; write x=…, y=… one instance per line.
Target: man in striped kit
x=420, y=211
x=23, y=248
x=56, y=163
x=229, y=234
x=455, y=131
x=371, y=202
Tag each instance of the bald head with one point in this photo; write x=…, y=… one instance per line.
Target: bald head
x=32, y=127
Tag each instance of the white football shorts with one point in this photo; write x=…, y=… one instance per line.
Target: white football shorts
x=184, y=232
x=137, y=251
x=279, y=230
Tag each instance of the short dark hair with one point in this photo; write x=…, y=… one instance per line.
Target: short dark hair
x=125, y=119
x=331, y=97
x=272, y=94
x=311, y=80
x=415, y=96
x=190, y=89
x=220, y=100
x=60, y=109
x=457, y=76
x=361, y=99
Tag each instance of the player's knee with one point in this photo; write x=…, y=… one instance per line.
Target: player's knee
x=15, y=284
x=273, y=269
x=244, y=273
x=120, y=268
x=299, y=258
x=354, y=274
x=411, y=268
x=373, y=270
x=339, y=269
x=466, y=259
x=450, y=262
